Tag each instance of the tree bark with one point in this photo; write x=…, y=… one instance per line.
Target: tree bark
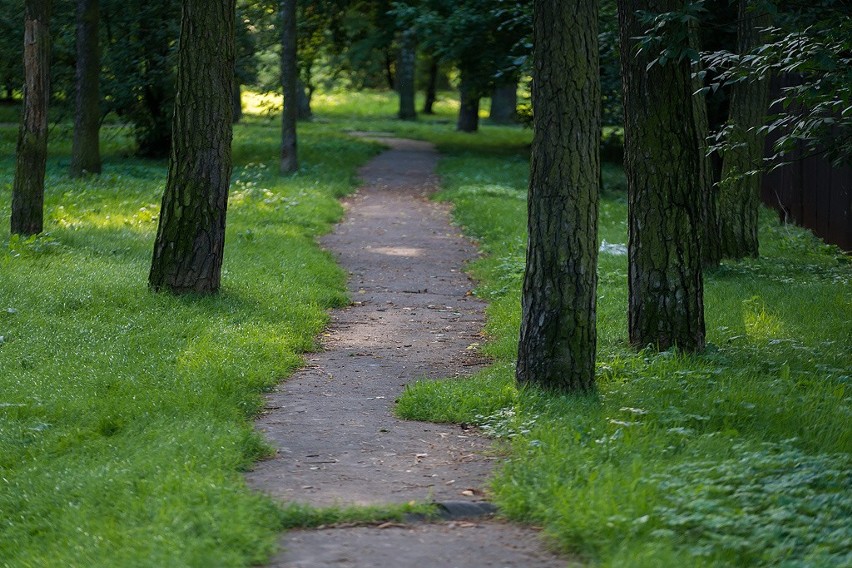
x=85, y=148
x=304, y=95
x=469, y=109
x=662, y=163
x=431, y=88
x=504, y=103
x=191, y=234
x=405, y=76
x=741, y=164
x=557, y=341
x=289, y=81
x=28, y=189
x=710, y=235
x=237, y=102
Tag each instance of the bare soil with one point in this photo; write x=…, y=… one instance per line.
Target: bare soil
x=339, y=443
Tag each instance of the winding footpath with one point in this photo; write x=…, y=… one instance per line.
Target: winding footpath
x=412, y=317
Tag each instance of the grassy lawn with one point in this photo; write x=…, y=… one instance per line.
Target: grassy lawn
x=125, y=417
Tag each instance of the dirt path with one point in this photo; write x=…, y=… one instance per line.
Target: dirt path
x=339, y=442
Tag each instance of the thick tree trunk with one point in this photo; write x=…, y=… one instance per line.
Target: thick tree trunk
x=431, y=88
x=405, y=75
x=304, y=95
x=85, y=149
x=504, y=103
x=557, y=342
x=469, y=110
x=289, y=81
x=191, y=234
x=662, y=163
x=740, y=189
x=710, y=235
x=31, y=161
x=237, y=102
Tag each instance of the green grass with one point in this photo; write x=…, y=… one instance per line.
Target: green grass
x=125, y=416
x=739, y=456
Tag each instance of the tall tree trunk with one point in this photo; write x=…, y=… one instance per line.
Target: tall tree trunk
x=289, y=81
x=469, y=109
x=389, y=75
x=740, y=189
x=504, y=103
x=191, y=234
x=304, y=95
x=28, y=189
x=557, y=342
x=237, y=102
x=85, y=149
x=662, y=163
x=431, y=88
x=405, y=76
x=710, y=235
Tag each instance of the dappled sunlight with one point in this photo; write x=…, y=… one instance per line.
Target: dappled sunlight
x=760, y=325
x=261, y=104
x=397, y=251
x=144, y=219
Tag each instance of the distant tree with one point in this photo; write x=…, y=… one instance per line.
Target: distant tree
x=405, y=75
x=28, y=189
x=504, y=101
x=85, y=149
x=140, y=60
x=11, y=47
x=289, y=80
x=662, y=163
x=557, y=341
x=431, y=87
x=191, y=234
x=481, y=38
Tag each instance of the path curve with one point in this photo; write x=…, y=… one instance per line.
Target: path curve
x=412, y=317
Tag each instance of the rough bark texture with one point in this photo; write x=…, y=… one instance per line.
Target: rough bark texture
x=469, y=109
x=557, y=342
x=405, y=75
x=85, y=149
x=740, y=191
x=710, y=236
x=289, y=81
x=431, y=88
x=28, y=189
x=237, y=102
x=191, y=235
x=662, y=163
x=504, y=103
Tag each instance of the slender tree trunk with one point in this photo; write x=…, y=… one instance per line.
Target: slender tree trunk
x=469, y=110
x=662, y=162
x=289, y=80
x=85, y=149
x=740, y=189
x=504, y=103
x=557, y=342
x=389, y=75
x=431, y=88
x=237, y=102
x=304, y=95
x=28, y=189
x=191, y=234
x=405, y=76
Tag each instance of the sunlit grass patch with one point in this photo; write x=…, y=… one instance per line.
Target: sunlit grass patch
x=125, y=416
